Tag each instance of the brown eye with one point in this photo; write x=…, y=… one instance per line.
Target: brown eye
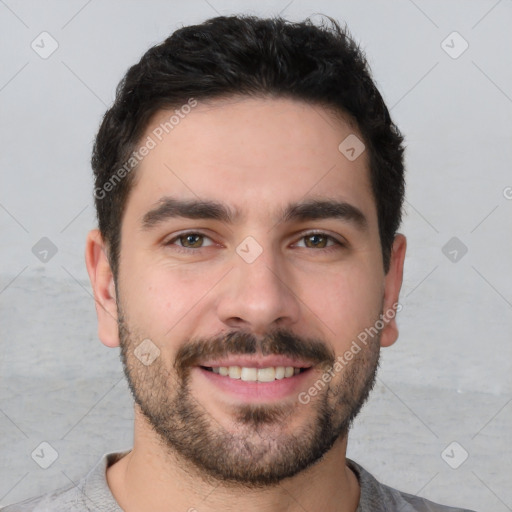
x=319, y=241
x=316, y=241
x=191, y=240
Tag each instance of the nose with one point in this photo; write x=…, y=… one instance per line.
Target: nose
x=258, y=296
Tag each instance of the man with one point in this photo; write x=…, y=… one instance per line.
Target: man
x=249, y=186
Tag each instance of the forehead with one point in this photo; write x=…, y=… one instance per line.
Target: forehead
x=254, y=155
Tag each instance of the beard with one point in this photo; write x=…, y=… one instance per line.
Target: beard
x=258, y=450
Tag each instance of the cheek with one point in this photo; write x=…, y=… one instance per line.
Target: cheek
x=346, y=302
x=161, y=299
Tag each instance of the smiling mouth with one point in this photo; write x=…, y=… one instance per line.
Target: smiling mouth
x=250, y=374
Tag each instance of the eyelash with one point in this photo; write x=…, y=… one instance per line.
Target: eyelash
x=187, y=250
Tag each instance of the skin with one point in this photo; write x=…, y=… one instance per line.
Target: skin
x=279, y=151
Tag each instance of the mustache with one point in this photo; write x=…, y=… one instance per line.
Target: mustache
x=279, y=342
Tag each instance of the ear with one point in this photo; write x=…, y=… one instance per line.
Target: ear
x=392, y=285
x=103, y=285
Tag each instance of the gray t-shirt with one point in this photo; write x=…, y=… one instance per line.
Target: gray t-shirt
x=93, y=494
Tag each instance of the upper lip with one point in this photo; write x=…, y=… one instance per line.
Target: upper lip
x=257, y=362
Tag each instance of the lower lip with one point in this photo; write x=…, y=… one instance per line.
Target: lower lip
x=256, y=391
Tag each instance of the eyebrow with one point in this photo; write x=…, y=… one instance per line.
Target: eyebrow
x=169, y=207
x=315, y=209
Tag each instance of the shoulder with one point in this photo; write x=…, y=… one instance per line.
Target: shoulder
x=377, y=497
x=90, y=494
x=64, y=497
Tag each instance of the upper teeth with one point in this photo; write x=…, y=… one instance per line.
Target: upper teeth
x=256, y=374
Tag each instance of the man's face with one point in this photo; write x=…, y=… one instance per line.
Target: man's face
x=249, y=240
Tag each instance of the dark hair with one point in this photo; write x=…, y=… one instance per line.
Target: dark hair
x=245, y=55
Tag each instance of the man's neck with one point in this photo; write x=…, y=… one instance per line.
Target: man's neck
x=149, y=479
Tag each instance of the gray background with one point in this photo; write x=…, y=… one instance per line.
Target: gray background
x=448, y=377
